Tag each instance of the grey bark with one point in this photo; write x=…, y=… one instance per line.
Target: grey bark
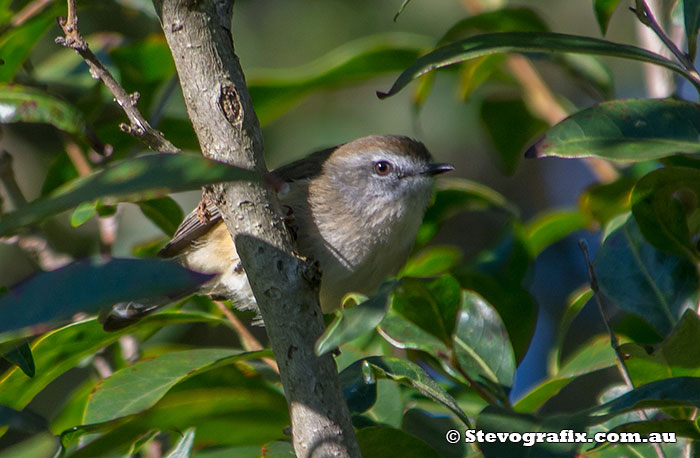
x=285, y=285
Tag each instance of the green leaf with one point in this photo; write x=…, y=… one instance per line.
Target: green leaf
x=481, y=342
x=510, y=19
x=39, y=445
x=16, y=44
x=658, y=208
x=21, y=356
x=405, y=334
x=551, y=227
x=141, y=385
x=499, y=114
x=624, y=130
x=431, y=305
x=164, y=213
x=22, y=421
x=25, y=104
x=602, y=202
x=656, y=286
x=83, y=213
x=142, y=178
x=60, y=350
x=677, y=356
x=353, y=322
x=383, y=441
x=574, y=304
x=431, y=261
x=482, y=45
x=359, y=386
x=274, y=92
x=591, y=357
x=455, y=195
x=87, y=286
x=604, y=10
x=413, y=375
x=691, y=16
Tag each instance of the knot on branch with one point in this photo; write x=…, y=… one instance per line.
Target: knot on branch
x=230, y=103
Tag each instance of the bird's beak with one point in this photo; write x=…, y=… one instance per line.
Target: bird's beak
x=436, y=169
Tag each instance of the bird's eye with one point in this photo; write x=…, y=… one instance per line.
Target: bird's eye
x=382, y=168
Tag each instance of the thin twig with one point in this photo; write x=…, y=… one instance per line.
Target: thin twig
x=248, y=340
x=647, y=18
x=614, y=342
x=139, y=127
x=29, y=11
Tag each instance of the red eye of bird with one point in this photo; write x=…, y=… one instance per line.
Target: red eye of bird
x=382, y=168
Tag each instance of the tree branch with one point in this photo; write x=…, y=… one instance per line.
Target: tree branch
x=139, y=127
x=285, y=286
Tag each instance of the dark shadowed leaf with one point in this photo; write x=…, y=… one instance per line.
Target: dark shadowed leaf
x=481, y=342
x=276, y=91
x=455, y=195
x=141, y=385
x=658, y=208
x=22, y=420
x=511, y=19
x=359, y=386
x=604, y=10
x=61, y=170
x=142, y=178
x=87, y=286
x=183, y=448
x=60, y=350
x=691, y=16
x=625, y=130
x=383, y=441
x=413, y=375
x=164, y=213
x=499, y=114
x=21, y=356
x=492, y=43
x=550, y=227
x=682, y=428
x=355, y=321
x=654, y=285
x=25, y=104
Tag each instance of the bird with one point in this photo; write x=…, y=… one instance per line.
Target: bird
x=354, y=208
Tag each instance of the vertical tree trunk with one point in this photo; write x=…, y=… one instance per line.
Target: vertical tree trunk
x=285, y=286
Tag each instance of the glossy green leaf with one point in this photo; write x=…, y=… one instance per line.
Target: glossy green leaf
x=591, y=357
x=351, y=323
x=404, y=333
x=83, y=213
x=658, y=208
x=142, y=178
x=21, y=356
x=493, y=43
x=359, y=386
x=413, y=375
x=691, y=17
x=602, y=202
x=16, y=44
x=141, y=385
x=626, y=130
x=60, y=350
x=481, y=342
x=164, y=213
x=87, y=286
x=677, y=356
x=276, y=91
x=499, y=116
x=431, y=261
x=551, y=227
x=604, y=10
x=636, y=277
x=383, y=441
x=183, y=448
x=455, y=195
x=574, y=304
x=25, y=104
x=431, y=305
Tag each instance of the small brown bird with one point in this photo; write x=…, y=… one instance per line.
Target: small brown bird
x=356, y=209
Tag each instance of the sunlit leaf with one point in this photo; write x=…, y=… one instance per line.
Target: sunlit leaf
x=493, y=43
x=83, y=213
x=16, y=44
x=625, y=130
x=604, y=10
x=431, y=261
x=183, y=448
x=551, y=227
x=636, y=277
x=602, y=202
x=142, y=178
x=25, y=104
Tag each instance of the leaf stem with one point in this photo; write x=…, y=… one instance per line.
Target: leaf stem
x=138, y=127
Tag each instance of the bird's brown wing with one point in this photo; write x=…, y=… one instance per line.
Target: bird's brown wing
x=196, y=224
